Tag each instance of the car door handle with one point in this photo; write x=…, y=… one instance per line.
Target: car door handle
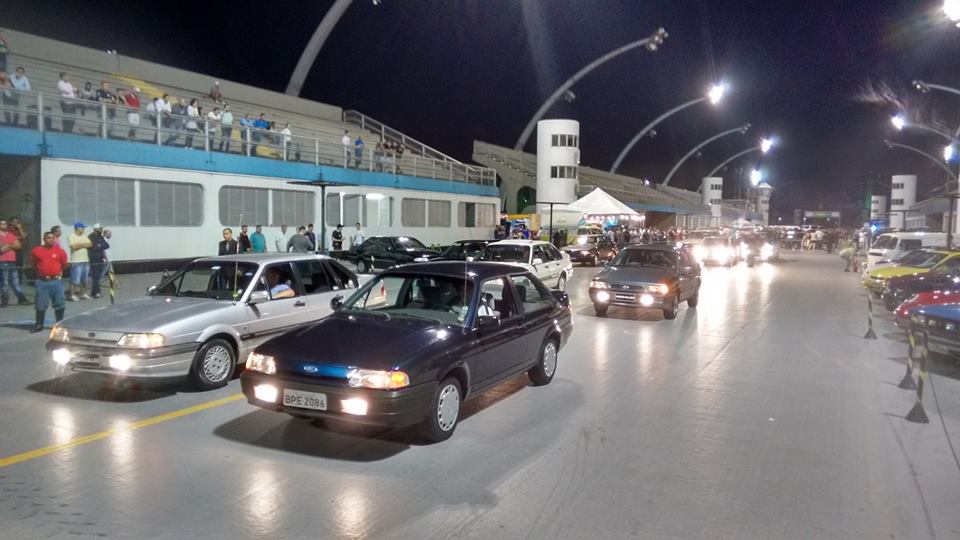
x=299, y=303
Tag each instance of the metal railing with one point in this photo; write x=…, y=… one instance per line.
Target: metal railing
x=387, y=133
x=77, y=116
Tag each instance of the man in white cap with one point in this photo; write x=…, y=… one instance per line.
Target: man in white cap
x=215, y=93
x=133, y=113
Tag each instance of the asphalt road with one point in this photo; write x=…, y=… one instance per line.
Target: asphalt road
x=763, y=413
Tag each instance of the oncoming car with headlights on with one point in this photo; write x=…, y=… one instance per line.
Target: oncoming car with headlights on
x=715, y=250
x=656, y=277
x=411, y=345
x=201, y=321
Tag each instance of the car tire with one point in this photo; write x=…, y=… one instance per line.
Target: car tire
x=670, y=313
x=213, y=365
x=562, y=283
x=444, y=412
x=362, y=266
x=542, y=373
x=601, y=309
x=694, y=300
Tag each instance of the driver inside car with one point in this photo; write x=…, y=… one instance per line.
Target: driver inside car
x=278, y=289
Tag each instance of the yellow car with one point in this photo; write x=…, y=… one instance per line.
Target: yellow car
x=917, y=262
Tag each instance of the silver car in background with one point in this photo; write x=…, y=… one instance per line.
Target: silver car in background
x=202, y=320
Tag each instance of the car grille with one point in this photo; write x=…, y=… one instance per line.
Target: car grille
x=633, y=287
x=945, y=325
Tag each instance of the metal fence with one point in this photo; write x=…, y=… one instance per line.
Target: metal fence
x=85, y=117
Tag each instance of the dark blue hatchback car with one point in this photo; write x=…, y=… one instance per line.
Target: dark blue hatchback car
x=942, y=325
x=412, y=344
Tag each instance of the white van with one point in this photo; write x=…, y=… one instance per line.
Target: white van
x=889, y=246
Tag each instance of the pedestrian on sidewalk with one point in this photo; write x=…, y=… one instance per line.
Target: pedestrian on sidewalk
x=337, y=237
x=300, y=243
x=9, y=272
x=56, y=232
x=258, y=241
x=98, y=259
x=79, y=263
x=17, y=229
x=227, y=246
x=312, y=235
x=357, y=238
x=245, y=245
x=280, y=241
x=49, y=261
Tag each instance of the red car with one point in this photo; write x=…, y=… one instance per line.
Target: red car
x=951, y=296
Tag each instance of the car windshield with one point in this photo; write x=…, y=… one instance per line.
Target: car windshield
x=655, y=258
x=913, y=258
x=408, y=243
x=885, y=241
x=714, y=241
x=586, y=240
x=218, y=280
x=506, y=253
x=929, y=262
x=442, y=299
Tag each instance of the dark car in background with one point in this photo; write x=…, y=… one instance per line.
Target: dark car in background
x=656, y=277
x=411, y=345
x=463, y=250
x=381, y=252
x=900, y=288
x=941, y=323
x=591, y=249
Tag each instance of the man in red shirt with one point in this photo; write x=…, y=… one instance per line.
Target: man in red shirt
x=133, y=113
x=49, y=260
x=9, y=273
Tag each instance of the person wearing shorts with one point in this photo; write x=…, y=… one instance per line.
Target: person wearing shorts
x=79, y=263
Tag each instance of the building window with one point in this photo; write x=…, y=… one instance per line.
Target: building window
x=563, y=171
x=896, y=202
x=353, y=209
x=293, y=207
x=331, y=210
x=438, y=214
x=554, y=140
x=379, y=210
x=92, y=199
x=170, y=204
x=413, y=212
x=467, y=214
x=716, y=187
x=243, y=204
x=486, y=215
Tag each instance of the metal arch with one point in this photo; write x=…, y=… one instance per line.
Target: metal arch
x=648, y=127
x=651, y=43
x=741, y=129
x=924, y=154
x=924, y=127
x=310, y=52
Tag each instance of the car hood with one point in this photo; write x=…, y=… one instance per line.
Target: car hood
x=351, y=340
x=896, y=271
x=582, y=247
x=634, y=274
x=943, y=311
x=144, y=314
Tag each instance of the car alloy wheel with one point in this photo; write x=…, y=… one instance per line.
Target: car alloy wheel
x=562, y=283
x=671, y=312
x=213, y=365
x=216, y=363
x=362, y=266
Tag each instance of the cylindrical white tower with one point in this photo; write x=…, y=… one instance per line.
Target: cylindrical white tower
x=878, y=207
x=903, y=194
x=558, y=161
x=711, y=193
x=763, y=202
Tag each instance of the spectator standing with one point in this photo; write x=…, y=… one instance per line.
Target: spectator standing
x=67, y=105
x=245, y=245
x=312, y=236
x=105, y=97
x=226, y=128
x=152, y=112
x=213, y=120
x=98, y=259
x=357, y=238
x=347, y=143
x=49, y=260
x=178, y=111
x=337, y=237
x=4, y=50
x=164, y=110
x=56, y=232
x=193, y=114
x=287, y=139
x=280, y=241
x=9, y=273
x=227, y=246
x=79, y=263
x=7, y=96
x=378, y=157
x=260, y=126
x=399, y=149
x=258, y=241
x=215, y=94
x=300, y=243
x=17, y=229
x=133, y=112
x=245, y=125
x=358, y=152
x=21, y=83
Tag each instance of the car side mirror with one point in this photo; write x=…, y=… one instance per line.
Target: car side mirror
x=258, y=297
x=488, y=323
x=336, y=302
x=537, y=261
x=562, y=298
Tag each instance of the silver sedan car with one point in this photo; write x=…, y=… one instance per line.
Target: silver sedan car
x=202, y=320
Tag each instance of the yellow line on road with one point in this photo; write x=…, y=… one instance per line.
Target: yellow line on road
x=79, y=441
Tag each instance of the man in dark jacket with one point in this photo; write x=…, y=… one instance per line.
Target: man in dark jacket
x=98, y=258
x=227, y=246
x=245, y=245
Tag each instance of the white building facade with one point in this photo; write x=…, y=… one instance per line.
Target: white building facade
x=903, y=195
x=711, y=193
x=878, y=207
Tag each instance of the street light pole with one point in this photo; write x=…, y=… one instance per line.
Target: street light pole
x=716, y=93
x=651, y=43
x=939, y=162
x=742, y=129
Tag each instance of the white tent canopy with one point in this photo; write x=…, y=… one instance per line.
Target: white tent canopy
x=600, y=203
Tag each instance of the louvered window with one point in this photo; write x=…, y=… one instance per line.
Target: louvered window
x=170, y=204
x=242, y=205
x=293, y=208
x=413, y=212
x=92, y=199
x=438, y=214
x=486, y=215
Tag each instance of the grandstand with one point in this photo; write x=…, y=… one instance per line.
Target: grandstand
x=664, y=205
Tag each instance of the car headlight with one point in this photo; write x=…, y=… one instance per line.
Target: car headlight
x=596, y=284
x=659, y=288
x=421, y=259
x=262, y=363
x=379, y=380
x=584, y=252
x=59, y=333
x=766, y=250
x=141, y=341
x=700, y=252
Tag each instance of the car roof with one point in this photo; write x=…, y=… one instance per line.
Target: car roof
x=657, y=247
x=260, y=258
x=472, y=242
x=519, y=242
x=481, y=270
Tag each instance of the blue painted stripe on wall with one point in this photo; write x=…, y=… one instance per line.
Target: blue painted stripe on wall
x=23, y=142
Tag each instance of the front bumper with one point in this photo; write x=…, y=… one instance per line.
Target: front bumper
x=167, y=361
x=628, y=298
x=944, y=343
x=389, y=408
x=875, y=285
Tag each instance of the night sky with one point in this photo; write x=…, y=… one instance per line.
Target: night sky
x=823, y=76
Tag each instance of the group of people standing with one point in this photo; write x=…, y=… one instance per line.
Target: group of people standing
x=304, y=241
